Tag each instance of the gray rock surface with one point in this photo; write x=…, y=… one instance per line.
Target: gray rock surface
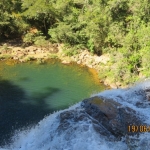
x=112, y=115
x=68, y=118
x=108, y=118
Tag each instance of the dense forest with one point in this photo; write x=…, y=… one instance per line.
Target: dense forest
x=118, y=27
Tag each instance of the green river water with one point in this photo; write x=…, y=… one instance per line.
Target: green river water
x=29, y=91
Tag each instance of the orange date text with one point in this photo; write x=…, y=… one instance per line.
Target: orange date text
x=139, y=128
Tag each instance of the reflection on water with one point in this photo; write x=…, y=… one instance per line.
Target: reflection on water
x=29, y=91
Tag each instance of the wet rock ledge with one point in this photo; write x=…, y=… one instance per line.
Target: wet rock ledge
x=108, y=117
x=112, y=115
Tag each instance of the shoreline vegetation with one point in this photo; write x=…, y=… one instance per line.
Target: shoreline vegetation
x=18, y=53
x=111, y=36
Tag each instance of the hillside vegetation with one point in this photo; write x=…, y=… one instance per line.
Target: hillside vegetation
x=118, y=27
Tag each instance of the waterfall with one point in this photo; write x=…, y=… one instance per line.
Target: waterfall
x=55, y=132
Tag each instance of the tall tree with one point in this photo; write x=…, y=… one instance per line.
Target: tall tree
x=11, y=21
x=39, y=13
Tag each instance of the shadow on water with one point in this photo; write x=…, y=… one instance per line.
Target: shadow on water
x=24, y=79
x=18, y=110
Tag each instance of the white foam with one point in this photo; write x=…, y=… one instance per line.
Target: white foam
x=81, y=135
x=44, y=137
x=130, y=97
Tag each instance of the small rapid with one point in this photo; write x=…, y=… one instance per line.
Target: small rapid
x=74, y=131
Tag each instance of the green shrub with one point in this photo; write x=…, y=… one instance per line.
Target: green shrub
x=35, y=38
x=40, y=41
x=29, y=38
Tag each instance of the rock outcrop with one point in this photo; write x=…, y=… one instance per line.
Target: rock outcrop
x=68, y=118
x=108, y=118
x=112, y=115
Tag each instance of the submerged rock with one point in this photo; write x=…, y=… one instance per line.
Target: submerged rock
x=147, y=93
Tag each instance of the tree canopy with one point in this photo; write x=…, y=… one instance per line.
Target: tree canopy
x=118, y=27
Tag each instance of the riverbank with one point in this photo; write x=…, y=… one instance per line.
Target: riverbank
x=41, y=54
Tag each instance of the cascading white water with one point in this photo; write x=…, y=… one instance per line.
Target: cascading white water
x=81, y=135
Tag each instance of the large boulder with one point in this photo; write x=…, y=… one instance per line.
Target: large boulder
x=109, y=118
x=112, y=115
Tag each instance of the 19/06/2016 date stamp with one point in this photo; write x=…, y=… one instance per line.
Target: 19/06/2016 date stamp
x=141, y=128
